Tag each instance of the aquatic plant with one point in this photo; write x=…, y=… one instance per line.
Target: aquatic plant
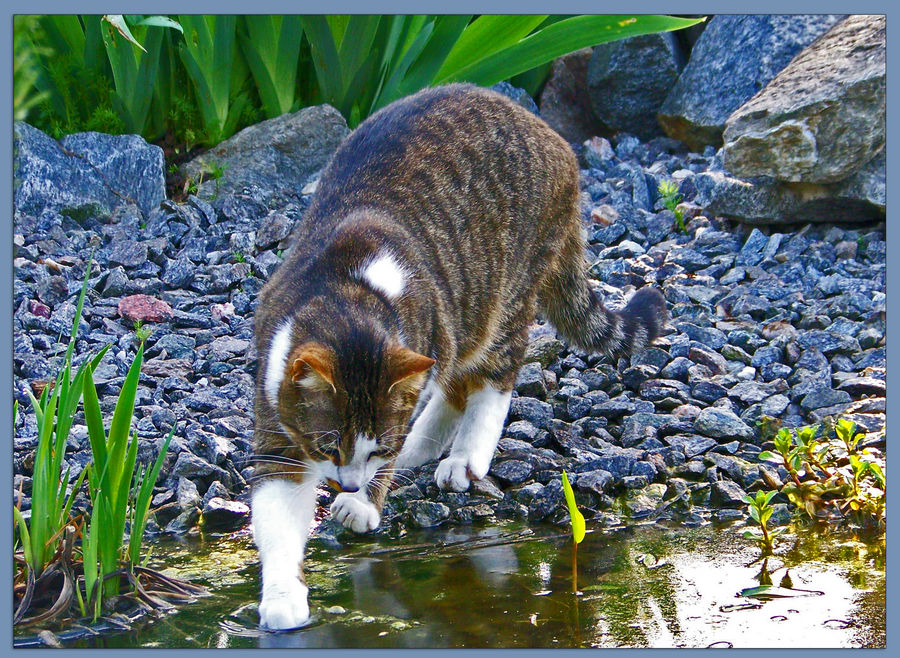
x=761, y=511
x=578, y=527
x=831, y=475
x=47, y=580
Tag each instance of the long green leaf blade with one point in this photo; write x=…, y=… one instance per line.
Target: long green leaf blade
x=559, y=39
x=487, y=35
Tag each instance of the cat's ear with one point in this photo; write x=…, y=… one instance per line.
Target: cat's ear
x=313, y=366
x=404, y=364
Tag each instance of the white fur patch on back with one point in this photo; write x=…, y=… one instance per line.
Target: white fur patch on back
x=276, y=364
x=384, y=273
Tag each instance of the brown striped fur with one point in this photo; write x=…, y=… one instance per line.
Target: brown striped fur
x=479, y=201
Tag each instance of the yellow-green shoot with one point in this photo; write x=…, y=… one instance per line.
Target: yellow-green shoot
x=578, y=528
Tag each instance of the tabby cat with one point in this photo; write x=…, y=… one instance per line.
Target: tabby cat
x=439, y=228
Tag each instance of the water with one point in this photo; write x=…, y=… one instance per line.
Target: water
x=511, y=586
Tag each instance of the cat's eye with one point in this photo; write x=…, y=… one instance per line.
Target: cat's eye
x=381, y=452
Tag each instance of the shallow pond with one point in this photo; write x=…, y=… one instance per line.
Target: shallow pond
x=511, y=586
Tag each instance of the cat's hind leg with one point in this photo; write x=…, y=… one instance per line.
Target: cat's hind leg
x=431, y=432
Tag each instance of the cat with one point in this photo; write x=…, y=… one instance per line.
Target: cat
x=438, y=229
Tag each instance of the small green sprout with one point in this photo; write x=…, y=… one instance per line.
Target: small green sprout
x=668, y=190
x=141, y=333
x=238, y=256
x=760, y=511
x=578, y=527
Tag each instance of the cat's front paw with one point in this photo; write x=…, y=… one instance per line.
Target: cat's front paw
x=455, y=474
x=355, y=513
x=284, y=607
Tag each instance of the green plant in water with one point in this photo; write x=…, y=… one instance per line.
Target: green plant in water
x=761, y=511
x=578, y=527
x=830, y=474
x=118, y=498
x=668, y=191
x=41, y=535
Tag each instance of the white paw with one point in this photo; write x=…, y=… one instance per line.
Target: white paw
x=455, y=473
x=285, y=606
x=355, y=513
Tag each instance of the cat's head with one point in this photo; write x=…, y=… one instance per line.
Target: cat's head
x=347, y=406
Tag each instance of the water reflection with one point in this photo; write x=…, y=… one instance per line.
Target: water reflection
x=511, y=587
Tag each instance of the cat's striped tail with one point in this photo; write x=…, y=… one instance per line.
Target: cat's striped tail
x=581, y=318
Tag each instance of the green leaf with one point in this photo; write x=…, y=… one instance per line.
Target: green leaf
x=485, y=36
x=142, y=502
x=24, y=536
x=766, y=455
x=578, y=526
x=118, y=22
x=162, y=21
x=559, y=39
x=754, y=514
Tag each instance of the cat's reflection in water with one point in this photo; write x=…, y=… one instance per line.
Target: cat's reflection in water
x=471, y=587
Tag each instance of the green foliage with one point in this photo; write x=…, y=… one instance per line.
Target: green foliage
x=830, y=475
x=120, y=496
x=217, y=75
x=141, y=333
x=205, y=77
x=668, y=191
x=761, y=511
x=55, y=412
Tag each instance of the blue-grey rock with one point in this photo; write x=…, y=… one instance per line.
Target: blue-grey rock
x=823, y=116
x=628, y=80
x=726, y=493
x=536, y=412
x=511, y=471
x=224, y=515
x=735, y=57
x=427, y=514
x=824, y=397
x=278, y=154
x=722, y=424
x=518, y=95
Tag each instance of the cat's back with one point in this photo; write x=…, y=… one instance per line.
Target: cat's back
x=443, y=140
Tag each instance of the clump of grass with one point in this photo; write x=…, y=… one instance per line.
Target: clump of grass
x=111, y=536
x=668, y=191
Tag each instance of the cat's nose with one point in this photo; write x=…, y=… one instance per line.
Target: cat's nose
x=349, y=482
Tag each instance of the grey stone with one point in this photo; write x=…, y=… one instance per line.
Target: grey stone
x=427, y=514
x=823, y=116
x=629, y=79
x=543, y=349
x=85, y=171
x=765, y=201
x=276, y=154
x=272, y=229
x=565, y=104
x=530, y=381
x=186, y=494
x=536, y=412
x=824, y=397
x=511, y=471
x=226, y=515
x=518, y=95
x=722, y=424
x=725, y=493
x=735, y=57
x=691, y=445
x=598, y=481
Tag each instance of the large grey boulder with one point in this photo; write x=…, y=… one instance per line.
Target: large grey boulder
x=734, y=58
x=85, y=172
x=278, y=154
x=767, y=201
x=565, y=103
x=628, y=81
x=822, y=117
